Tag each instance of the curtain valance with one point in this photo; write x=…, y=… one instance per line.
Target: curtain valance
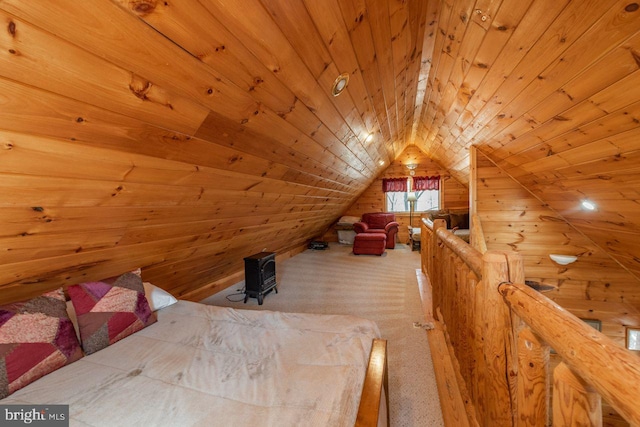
x=421, y=183
x=394, y=184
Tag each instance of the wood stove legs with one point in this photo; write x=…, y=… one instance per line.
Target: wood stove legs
x=259, y=295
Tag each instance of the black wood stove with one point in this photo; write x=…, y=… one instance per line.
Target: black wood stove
x=259, y=275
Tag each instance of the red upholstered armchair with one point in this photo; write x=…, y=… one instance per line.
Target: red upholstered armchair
x=379, y=222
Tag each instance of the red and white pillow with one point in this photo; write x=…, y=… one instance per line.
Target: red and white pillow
x=40, y=335
x=36, y=338
x=110, y=310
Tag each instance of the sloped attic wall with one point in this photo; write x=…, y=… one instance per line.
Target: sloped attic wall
x=455, y=195
x=183, y=136
x=594, y=287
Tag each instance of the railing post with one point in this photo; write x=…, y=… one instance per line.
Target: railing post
x=425, y=246
x=434, y=269
x=477, y=234
x=575, y=403
x=496, y=323
x=438, y=223
x=533, y=362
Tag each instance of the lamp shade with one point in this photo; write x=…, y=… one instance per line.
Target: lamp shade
x=411, y=196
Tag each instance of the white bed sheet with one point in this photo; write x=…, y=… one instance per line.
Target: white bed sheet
x=207, y=365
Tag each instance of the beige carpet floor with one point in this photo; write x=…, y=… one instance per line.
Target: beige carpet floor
x=383, y=289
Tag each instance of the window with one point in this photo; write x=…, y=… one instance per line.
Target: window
x=427, y=193
x=633, y=338
x=426, y=200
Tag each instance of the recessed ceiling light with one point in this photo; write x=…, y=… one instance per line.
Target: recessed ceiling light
x=588, y=205
x=369, y=137
x=340, y=84
x=381, y=162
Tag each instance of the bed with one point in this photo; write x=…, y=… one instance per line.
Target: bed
x=208, y=365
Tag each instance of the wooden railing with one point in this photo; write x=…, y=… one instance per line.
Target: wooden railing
x=501, y=332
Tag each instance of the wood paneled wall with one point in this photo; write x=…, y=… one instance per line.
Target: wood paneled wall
x=593, y=287
x=183, y=136
x=549, y=90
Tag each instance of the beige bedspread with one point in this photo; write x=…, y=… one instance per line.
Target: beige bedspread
x=215, y=366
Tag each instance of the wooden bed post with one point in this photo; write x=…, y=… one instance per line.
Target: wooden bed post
x=375, y=383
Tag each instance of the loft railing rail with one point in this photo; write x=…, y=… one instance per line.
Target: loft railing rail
x=501, y=332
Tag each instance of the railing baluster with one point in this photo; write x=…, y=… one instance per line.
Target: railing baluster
x=575, y=403
x=480, y=371
x=533, y=363
x=516, y=275
x=496, y=327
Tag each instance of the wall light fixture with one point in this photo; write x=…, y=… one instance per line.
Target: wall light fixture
x=563, y=259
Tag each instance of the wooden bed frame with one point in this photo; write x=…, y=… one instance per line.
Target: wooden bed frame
x=375, y=383
x=374, y=388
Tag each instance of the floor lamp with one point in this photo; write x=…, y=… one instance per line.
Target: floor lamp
x=411, y=198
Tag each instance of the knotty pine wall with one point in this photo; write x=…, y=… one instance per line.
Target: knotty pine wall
x=594, y=287
x=454, y=195
x=123, y=149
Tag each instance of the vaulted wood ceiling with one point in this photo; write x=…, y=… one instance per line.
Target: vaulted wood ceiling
x=196, y=131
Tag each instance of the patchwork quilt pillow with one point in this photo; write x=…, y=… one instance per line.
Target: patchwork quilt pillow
x=110, y=310
x=36, y=338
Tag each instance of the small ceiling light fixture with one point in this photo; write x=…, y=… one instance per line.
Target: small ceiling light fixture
x=381, y=162
x=369, y=138
x=412, y=168
x=563, y=259
x=588, y=205
x=340, y=84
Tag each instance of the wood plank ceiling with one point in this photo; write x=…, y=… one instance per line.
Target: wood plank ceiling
x=182, y=135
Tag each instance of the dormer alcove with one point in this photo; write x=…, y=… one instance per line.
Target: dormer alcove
x=454, y=194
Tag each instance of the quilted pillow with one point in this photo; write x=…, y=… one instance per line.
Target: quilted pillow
x=36, y=338
x=110, y=310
